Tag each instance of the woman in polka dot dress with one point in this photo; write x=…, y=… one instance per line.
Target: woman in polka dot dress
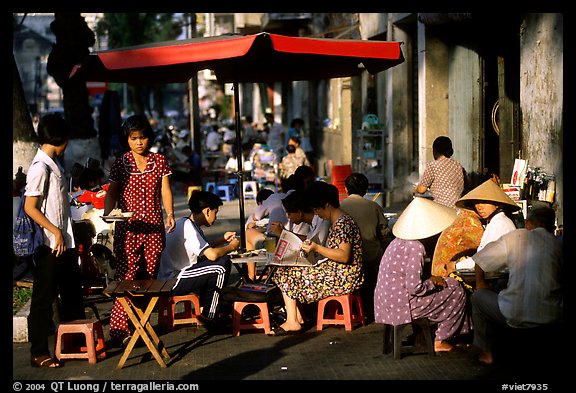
x=138, y=180
x=403, y=293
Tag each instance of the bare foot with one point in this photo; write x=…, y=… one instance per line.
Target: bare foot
x=442, y=346
x=290, y=327
x=486, y=358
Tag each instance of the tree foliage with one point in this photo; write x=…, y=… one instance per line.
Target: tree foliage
x=129, y=29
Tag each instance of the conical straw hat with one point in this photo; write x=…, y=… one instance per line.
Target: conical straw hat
x=423, y=218
x=488, y=191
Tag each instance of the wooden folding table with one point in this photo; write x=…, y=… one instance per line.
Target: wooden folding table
x=138, y=298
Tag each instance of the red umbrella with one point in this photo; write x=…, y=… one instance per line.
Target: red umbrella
x=261, y=57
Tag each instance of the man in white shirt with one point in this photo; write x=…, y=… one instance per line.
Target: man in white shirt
x=534, y=293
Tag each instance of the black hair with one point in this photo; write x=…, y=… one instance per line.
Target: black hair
x=442, y=146
x=296, y=121
x=290, y=149
x=321, y=193
x=292, y=182
x=296, y=202
x=305, y=173
x=53, y=130
x=263, y=194
x=200, y=200
x=137, y=123
x=544, y=217
x=357, y=183
x=295, y=138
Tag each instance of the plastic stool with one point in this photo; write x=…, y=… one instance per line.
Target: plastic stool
x=211, y=187
x=225, y=192
x=92, y=331
x=262, y=322
x=167, y=316
x=352, y=312
x=250, y=189
x=393, y=339
x=191, y=189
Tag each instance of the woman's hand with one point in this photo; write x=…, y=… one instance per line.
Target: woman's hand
x=170, y=223
x=309, y=246
x=276, y=228
x=438, y=282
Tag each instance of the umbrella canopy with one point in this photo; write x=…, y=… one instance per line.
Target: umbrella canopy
x=261, y=57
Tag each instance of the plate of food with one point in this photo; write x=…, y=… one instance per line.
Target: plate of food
x=118, y=215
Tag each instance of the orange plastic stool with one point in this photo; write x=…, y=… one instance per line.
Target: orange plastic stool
x=92, y=331
x=167, y=316
x=352, y=312
x=262, y=322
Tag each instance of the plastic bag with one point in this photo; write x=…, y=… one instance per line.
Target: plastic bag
x=28, y=236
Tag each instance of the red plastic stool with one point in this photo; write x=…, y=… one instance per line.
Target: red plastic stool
x=169, y=318
x=261, y=322
x=329, y=311
x=92, y=331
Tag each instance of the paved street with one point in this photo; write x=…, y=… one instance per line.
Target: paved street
x=334, y=356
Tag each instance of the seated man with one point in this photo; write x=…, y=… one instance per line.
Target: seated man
x=199, y=266
x=533, y=296
x=376, y=235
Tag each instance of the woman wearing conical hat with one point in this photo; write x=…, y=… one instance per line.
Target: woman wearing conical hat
x=495, y=209
x=403, y=293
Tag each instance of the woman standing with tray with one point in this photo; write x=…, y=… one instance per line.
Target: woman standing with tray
x=138, y=180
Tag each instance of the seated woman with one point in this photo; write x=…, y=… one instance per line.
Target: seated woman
x=495, y=209
x=461, y=239
x=340, y=274
x=403, y=293
x=299, y=211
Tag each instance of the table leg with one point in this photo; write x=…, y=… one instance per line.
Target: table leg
x=139, y=324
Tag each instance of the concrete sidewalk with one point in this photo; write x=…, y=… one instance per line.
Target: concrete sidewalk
x=333, y=355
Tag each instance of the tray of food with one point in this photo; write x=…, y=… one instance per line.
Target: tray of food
x=118, y=215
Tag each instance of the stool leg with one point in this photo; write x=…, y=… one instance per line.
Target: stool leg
x=387, y=339
x=426, y=329
x=398, y=341
x=347, y=313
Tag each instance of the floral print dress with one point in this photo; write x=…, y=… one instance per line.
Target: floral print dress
x=308, y=284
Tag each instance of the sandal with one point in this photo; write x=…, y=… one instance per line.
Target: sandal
x=44, y=361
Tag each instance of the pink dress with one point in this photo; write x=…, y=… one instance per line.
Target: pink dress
x=401, y=295
x=138, y=242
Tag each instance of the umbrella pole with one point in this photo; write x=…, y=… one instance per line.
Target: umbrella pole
x=240, y=172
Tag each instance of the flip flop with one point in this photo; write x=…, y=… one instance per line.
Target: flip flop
x=44, y=361
x=279, y=331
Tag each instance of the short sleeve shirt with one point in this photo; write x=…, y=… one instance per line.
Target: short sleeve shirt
x=445, y=178
x=184, y=246
x=140, y=191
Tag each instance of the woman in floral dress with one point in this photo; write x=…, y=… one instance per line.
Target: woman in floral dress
x=339, y=274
